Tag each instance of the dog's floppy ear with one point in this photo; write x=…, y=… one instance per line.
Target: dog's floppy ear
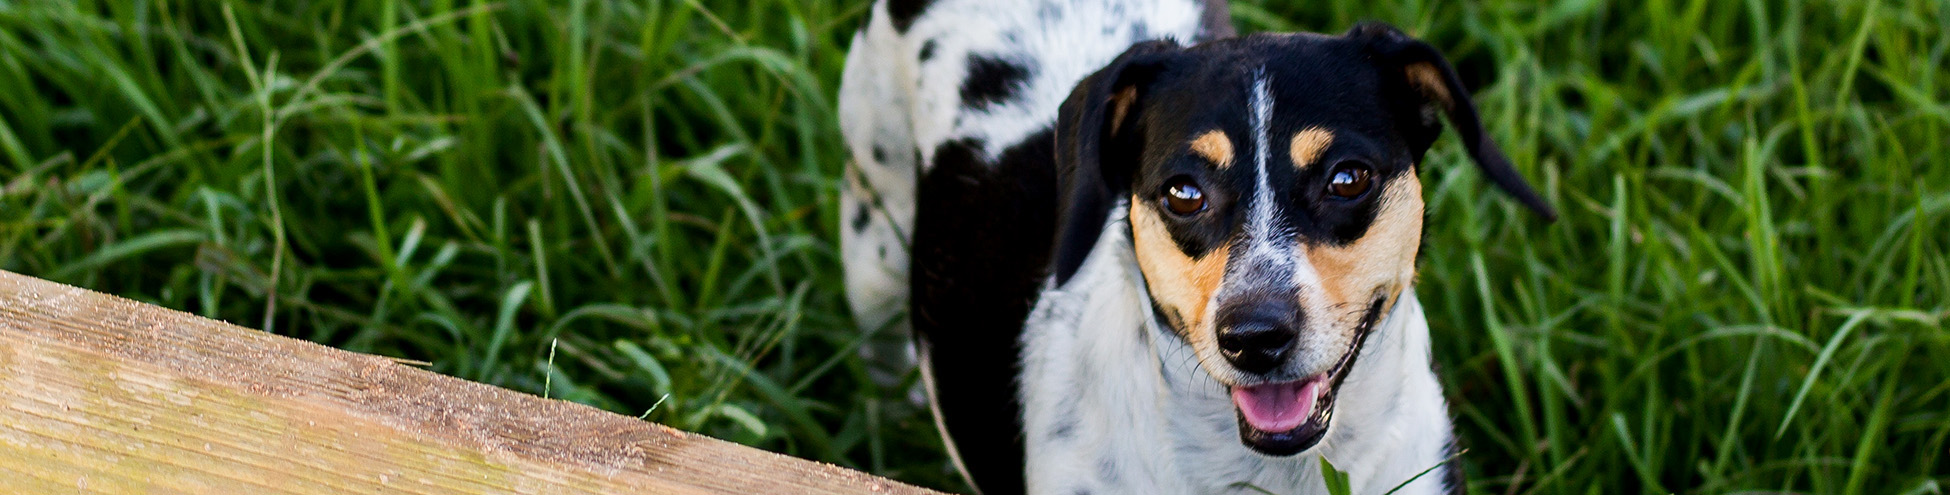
x=1098, y=146
x=1418, y=75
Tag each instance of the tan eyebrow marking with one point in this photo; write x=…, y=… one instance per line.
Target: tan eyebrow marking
x=1308, y=146
x=1215, y=147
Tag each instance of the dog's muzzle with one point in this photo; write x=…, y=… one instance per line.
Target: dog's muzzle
x=1282, y=418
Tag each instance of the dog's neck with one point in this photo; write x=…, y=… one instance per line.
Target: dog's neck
x=1117, y=403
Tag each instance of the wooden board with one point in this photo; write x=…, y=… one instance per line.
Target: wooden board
x=100, y=394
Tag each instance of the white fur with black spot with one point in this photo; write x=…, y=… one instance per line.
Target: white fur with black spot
x=892, y=100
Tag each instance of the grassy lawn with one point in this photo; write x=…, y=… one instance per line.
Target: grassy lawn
x=632, y=204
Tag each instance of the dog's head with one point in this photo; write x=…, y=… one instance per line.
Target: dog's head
x=1274, y=204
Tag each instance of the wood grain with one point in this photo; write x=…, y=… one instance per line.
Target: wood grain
x=100, y=394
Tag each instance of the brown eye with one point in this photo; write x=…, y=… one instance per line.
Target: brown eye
x=1183, y=197
x=1349, y=180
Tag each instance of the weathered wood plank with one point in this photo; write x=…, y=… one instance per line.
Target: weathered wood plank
x=100, y=394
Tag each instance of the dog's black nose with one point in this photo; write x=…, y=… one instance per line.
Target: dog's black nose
x=1256, y=344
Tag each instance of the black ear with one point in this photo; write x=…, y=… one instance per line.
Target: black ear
x=1097, y=149
x=1417, y=74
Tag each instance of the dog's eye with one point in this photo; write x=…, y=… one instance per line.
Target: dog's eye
x=1182, y=196
x=1349, y=180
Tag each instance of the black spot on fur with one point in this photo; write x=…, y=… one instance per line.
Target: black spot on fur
x=980, y=251
x=991, y=80
x=927, y=50
x=861, y=217
x=903, y=12
x=879, y=155
x=1107, y=470
x=1064, y=429
x=1067, y=417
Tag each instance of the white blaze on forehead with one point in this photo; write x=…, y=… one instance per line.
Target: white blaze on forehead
x=1268, y=245
x=1272, y=259
x=1260, y=220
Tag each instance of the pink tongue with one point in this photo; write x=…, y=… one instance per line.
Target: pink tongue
x=1279, y=407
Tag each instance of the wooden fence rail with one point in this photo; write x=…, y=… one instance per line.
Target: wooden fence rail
x=100, y=394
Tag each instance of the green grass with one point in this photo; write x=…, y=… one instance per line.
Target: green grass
x=1747, y=291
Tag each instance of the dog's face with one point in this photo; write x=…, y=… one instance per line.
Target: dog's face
x=1275, y=208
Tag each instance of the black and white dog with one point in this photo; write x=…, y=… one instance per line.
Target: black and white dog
x=1140, y=265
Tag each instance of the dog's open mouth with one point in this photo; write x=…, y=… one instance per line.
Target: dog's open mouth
x=1283, y=419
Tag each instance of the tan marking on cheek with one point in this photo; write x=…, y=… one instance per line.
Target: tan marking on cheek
x=1425, y=77
x=1120, y=107
x=1178, y=282
x=1308, y=145
x=1381, y=260
x=1215, y=147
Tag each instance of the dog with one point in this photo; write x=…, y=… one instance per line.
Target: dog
x=1139, y=254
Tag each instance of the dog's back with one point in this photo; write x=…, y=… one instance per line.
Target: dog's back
x=948, y=108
